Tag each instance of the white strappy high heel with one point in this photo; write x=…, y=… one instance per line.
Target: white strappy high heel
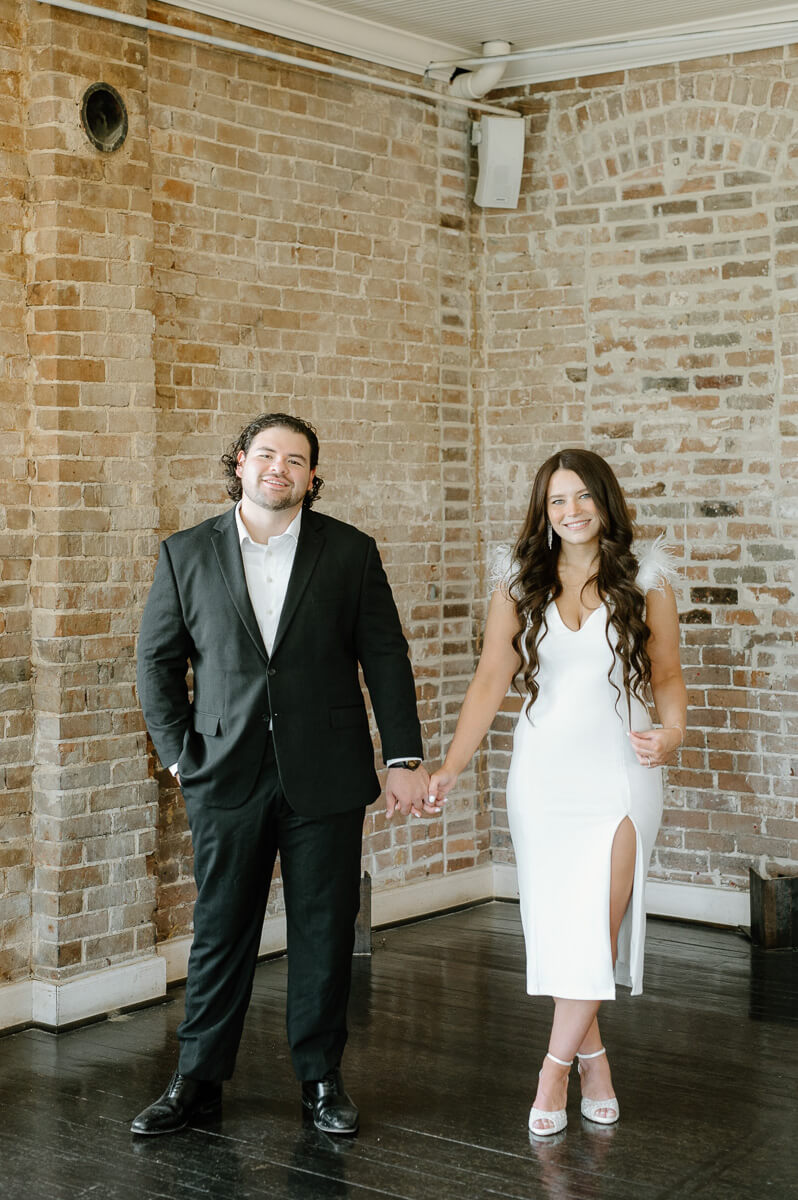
x=558, y=1118
x=591, y=1108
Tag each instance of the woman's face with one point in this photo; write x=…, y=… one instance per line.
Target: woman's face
x=571, y=510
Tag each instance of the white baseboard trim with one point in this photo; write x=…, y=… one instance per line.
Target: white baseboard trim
x=685, y=901
x=697, y=902
x=505, y=882
x=57, y=1005
x=16, y=1004
x=174, y=953
x=435, y=893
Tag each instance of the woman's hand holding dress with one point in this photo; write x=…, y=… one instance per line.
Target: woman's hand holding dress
x=654, y=747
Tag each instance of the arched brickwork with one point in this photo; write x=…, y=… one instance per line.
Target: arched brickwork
x=652, y=276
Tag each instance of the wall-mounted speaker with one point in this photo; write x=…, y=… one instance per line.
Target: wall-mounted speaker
x=500, y=142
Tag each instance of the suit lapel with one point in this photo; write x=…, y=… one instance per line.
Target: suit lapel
x=228, y=553
x=311, y=540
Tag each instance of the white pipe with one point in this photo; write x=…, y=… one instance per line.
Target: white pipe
x=787, y=29
x=90, y=10
x=476, y=84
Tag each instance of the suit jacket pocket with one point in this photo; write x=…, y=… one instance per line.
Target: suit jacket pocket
x=207, y=723
x=348, y=717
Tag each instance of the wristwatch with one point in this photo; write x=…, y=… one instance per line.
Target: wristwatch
x=406, y=764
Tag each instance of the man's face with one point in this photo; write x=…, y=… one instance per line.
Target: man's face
x=275, y=472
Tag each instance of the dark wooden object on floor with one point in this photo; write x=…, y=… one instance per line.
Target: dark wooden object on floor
x=774, y=910
x=363, y=923
x=443, y=1055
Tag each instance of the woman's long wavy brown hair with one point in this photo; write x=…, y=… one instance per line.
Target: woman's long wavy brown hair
x=535, y=581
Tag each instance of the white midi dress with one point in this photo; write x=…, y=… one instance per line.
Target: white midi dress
x=573, y=779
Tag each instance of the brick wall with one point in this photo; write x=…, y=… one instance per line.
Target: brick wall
x=312, y=254
x=264, y=239
x=89, y=323
x=642, y=302
x=269, y=238
x=16, y=536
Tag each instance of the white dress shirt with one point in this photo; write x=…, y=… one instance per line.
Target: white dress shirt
x=267, y=569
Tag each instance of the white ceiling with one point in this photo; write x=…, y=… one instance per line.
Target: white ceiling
x=410, y=34
x=529, y=23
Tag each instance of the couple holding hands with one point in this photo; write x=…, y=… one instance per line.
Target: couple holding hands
x=275, y=607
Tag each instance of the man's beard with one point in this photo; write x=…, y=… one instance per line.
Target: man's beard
x=287, y=499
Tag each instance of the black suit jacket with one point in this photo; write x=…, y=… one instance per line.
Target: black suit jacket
x=339, y=612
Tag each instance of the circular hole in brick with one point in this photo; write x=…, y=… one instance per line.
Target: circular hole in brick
x=104, y=117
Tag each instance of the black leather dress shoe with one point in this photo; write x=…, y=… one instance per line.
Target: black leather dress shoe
x=183, y=1099
x=327, y=1102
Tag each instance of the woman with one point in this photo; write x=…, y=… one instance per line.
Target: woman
x=588, y=630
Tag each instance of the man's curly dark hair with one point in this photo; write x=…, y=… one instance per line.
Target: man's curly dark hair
x=248, y=435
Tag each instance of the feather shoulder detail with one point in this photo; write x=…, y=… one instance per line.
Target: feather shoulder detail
x=501, y=568
x=656, y=567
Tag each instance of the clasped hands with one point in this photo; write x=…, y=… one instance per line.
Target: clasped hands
x=408, y=792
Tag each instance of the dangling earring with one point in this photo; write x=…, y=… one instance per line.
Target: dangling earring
x=548, y=534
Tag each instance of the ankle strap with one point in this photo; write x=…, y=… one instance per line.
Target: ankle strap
x=561, y=1061
x=597, y=1054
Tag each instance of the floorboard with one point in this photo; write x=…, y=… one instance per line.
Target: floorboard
x=444, y=1051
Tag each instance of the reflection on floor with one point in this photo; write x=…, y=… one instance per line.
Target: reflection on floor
x=443, y=1054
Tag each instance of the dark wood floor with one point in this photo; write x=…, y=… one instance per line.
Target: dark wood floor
x=443, y=1055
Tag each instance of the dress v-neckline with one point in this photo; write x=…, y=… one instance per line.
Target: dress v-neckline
x=584, y=623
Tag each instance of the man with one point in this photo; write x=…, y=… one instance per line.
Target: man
x=274, y=606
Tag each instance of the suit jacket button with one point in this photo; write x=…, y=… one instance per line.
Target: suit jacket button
x=271, y=671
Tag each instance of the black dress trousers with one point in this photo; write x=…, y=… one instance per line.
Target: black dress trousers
x=234, y=855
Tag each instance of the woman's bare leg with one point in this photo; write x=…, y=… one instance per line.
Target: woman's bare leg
x=572, y=1020
x=622, y=878
x=595, y=1072
x=575, y=1026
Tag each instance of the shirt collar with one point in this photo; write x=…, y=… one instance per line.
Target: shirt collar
x=243, y=535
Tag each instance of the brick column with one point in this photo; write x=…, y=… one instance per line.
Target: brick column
x=90, y=328
x=463, y=585
x=16, y=725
